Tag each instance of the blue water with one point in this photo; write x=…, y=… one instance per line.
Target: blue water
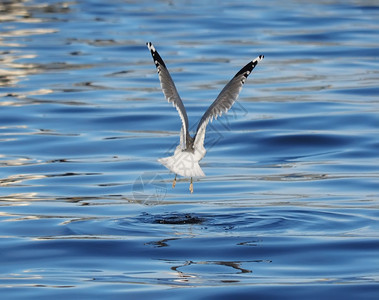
x=289, y=207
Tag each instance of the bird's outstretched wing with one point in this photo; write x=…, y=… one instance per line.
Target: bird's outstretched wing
x=170, y=92
x=224, y=100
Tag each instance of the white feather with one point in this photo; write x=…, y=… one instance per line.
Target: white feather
x=185, y=160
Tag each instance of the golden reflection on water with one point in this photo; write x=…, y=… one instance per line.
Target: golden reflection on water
x=12, y=71
x=17, y=63
x=19, y=178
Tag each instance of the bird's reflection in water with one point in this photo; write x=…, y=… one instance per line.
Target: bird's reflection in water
x=191, y=276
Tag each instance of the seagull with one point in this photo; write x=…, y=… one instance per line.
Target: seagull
x=185, y=161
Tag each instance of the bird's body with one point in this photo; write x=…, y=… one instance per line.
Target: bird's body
x=184, y=162
x=190, y=150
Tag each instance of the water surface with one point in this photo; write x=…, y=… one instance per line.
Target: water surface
x=289, y=207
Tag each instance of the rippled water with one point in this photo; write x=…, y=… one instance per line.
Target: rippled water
x=289, y=207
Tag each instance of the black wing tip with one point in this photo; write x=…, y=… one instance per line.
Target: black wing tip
x=150, y=46
x=154, y=53
x=246, y=70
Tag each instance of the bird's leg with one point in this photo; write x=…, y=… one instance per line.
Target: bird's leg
x=191, y=186
x=174, y=182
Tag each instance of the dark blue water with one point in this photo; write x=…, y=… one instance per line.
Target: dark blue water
x=289, y=207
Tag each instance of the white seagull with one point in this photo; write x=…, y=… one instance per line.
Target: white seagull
x=190, y=151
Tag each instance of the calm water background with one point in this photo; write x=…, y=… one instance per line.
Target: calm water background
x=289, y=207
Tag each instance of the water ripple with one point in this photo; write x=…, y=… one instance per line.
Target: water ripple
x=289, y=205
